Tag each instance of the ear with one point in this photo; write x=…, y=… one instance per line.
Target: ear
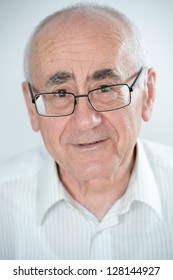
x=149, y=95
x=31, y=108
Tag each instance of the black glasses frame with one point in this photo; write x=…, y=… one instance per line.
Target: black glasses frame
x=131, y=89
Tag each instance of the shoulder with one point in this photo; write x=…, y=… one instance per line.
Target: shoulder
x=24, y=164
x=158, y=154
x=160, y=160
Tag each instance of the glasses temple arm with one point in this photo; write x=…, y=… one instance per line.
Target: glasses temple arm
x=136, y=79
x=31, y=92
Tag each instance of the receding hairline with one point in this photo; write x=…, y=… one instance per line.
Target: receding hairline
x=80, y=9
x=83, y=9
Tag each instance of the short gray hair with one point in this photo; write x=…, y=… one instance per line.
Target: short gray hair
x=138, y=55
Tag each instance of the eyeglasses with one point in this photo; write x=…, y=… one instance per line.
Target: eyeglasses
x=102, y=99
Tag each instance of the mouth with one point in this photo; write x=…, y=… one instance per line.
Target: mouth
x=89, y=145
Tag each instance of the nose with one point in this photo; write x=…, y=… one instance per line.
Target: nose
x=84, y=116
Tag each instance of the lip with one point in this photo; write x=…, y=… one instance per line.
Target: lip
x=89, y=146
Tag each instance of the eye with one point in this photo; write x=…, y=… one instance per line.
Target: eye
x=105, y=88
x=61, y=93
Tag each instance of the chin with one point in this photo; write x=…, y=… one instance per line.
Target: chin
x=94, y=172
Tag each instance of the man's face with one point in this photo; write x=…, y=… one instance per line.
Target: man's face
x=87, y=144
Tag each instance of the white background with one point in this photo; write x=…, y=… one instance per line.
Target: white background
x=154, y=19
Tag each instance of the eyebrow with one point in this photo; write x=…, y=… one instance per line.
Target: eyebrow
x=59, y=78
x=104, y=74
x=62, y=77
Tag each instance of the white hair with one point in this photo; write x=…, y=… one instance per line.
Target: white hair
x=138, y=54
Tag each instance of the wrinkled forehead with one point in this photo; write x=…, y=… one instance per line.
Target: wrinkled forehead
x=71, y=35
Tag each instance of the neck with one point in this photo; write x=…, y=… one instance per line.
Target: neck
x=98, y=195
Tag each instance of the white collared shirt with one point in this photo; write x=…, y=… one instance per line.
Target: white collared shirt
x=40, y=220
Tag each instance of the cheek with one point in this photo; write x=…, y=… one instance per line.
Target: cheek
x=51, y=130
x=132, y=120
x=127, y=122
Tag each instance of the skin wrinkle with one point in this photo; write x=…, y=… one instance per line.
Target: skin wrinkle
x=47, y=45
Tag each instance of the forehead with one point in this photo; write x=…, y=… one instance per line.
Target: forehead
x=78, y=43
x=71, y=24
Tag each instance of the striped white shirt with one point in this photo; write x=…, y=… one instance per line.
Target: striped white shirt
x=39, y=219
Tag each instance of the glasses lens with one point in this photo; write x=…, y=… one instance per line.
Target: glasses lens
x=55, y=104
x=110, y=97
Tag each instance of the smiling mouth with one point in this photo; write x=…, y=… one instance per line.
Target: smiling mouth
x=83, y=145
x=89, y=143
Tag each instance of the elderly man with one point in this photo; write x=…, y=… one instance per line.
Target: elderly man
x=96, y=191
